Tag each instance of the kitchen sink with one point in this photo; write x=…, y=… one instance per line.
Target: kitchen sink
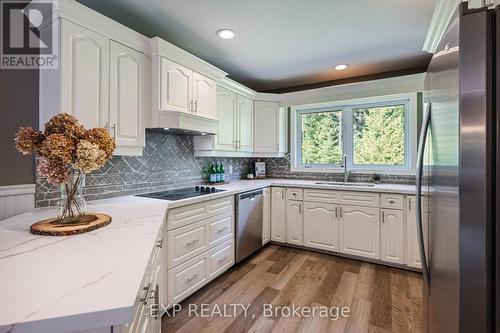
x=345, y=184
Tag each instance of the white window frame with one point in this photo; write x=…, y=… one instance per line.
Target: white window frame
x=410, y=100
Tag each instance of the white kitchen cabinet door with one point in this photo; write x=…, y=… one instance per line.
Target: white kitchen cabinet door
x=266, y=219
x=204, y=96
x=392, y=236
x=266, y=127
x=412, y=250
x=245, y=123
x=84, y=75
x=278, y=212
x=175, y=87
x=321, y=226
x=226, y=109
x=127, y=97
x=360, y=231
x=294, y=222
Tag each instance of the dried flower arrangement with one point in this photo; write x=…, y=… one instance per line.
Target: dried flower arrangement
x=66, y=152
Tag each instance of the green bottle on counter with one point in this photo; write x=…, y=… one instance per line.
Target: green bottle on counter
x=222, y=173
x=217, y=172
x=212, y=174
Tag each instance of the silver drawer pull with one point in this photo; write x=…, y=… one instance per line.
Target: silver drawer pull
x=192, y=242
x=391, y=201
x=221, y=260
x=221, y=230
x=146, y=290
x=193, y=277
x=160, y=243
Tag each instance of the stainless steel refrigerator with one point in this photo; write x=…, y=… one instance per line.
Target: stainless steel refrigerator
x=458, y=170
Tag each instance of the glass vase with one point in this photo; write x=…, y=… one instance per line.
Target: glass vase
x=72, y=204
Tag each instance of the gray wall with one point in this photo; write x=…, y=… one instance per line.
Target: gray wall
x=19, y=107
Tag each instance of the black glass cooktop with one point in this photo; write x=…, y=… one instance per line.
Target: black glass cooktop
x=182, y=193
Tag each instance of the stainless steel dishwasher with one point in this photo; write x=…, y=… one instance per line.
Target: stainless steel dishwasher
x=248, y=223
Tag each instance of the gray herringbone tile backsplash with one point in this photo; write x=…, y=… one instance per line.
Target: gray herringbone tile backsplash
x=168, y=162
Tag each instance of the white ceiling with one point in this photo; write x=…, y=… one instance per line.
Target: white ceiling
x=289, y=42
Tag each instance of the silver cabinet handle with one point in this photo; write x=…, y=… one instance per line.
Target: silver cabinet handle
x=193, y=277
x=190, y=105
x=340, y=211
x=282, y=194
x=113, y=128
x=300, y=208
x=418, y=196
x=221, y=260
x=160, y=243
x=195, y=106
x=409, y=203
x=336, y=213
x=221, y=230
x=145, y=297
x=391, y=201
x=383, y=216
x=192, y=242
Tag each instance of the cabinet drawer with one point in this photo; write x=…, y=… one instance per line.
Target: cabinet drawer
x=220, y=259
x=181, y=216
x=365, y=199
x=294, y=193
x=186, y=279
x=186, y=242
x=325, y=196
x=220, y=228
x=392, y=201
x=221, y=205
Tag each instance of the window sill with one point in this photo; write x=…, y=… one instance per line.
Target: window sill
x=356, y=171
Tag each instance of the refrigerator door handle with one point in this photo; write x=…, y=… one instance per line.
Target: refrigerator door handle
x=418, y=196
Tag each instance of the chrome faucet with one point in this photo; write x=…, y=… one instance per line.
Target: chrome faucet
x=347, y=174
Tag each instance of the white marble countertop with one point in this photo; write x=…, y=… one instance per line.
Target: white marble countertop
x=63, y=284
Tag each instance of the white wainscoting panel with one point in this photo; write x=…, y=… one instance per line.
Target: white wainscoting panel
x=16, y=199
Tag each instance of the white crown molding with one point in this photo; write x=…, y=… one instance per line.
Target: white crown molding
x=82, y=15
x=10, y=190
x=237, y=87
x=160, y=47
x=382, y=87
x=443, y=13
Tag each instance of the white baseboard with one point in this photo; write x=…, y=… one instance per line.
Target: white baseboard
x=16, y=199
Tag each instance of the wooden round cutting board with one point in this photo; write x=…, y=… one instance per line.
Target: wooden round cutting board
x=53, y=227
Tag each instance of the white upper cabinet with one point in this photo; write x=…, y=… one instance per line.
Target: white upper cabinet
x=204, y=96
x=360, y=231
x=176, y=84
x=392, y=236
x=101, y=82
x=269, y=128
x=226, y=107
x=84, y=75
x=127, y=96
x=245, y=124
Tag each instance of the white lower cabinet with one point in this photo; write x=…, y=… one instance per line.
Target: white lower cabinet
x=412, y=258
x=266, y=218
x=278, y=214
x=200, y=246
x=392, y=236
x=321, y=226
x=360, y=231
x=294, y=222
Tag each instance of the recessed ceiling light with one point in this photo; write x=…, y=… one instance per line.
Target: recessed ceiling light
x=226, y=33
x=341, y=67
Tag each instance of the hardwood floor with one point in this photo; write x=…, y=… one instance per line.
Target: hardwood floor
x=380, y=299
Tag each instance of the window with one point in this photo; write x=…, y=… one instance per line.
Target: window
x=373, y=135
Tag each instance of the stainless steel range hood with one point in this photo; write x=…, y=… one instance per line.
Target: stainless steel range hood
x=186, y=123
